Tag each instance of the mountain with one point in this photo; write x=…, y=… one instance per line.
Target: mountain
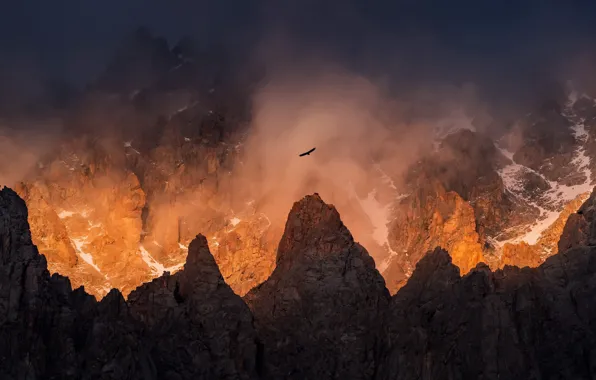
x=512, y=323
x=324, y=313
x=158, y=147
x=321, y=306
x=50, y=331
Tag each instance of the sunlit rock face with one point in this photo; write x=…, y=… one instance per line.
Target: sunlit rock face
x=115, y=213
x=153, y=152
x=429, y=218
x=87, y=199
x=47, y=330
x=523, y=254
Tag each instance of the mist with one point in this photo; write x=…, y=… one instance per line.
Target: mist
x=368, y=85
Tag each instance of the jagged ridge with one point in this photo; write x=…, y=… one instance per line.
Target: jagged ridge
x=323, y=313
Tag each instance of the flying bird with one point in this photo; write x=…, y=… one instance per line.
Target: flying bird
x=307, y=153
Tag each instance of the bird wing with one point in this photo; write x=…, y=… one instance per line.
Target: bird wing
x=307, y=153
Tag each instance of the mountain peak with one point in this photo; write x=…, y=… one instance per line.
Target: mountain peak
x=314, y=228
x=14, y=228
x=580, y=229
x=201, y=270
x=323, y=295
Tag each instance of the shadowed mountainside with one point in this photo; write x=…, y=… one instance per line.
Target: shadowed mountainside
x=324, y=313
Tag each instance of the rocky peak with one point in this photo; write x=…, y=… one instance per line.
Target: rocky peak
x=434, y=270
x=317, y=313
x=313, y=228
x=14, y=229
x=191, y=306
x=511, y=323
x=49, y=331
x=201, y=273
x=580, y=229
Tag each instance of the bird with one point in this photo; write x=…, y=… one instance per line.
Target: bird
x=307, y=153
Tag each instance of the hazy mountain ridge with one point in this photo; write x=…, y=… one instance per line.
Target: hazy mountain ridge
x=147, y=160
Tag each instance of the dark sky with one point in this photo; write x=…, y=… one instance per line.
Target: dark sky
x=492, y=41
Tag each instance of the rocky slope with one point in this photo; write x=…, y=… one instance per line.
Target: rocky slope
x=49, y=331
x=318, y=313
x=324, y=313
x=512, y=323
x=153, y=151
x=522, y=188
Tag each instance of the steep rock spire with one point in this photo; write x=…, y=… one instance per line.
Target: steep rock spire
x=318, y=313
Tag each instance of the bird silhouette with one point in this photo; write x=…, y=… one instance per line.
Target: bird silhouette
x=307, y=153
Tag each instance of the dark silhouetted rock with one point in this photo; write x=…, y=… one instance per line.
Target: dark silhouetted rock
x=509, y=324
x=197, y=328
x=187, y=326
x=318, y=314
x=580, y=229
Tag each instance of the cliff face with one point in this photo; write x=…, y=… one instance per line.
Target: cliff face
x=86, y=212
x=318, y=313
x=49, y=331
x=154, y=151
x=431, y=217
x=323, y=313
x=512, y=323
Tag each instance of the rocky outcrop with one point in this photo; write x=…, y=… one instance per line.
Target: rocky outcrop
x=187, y=326
x=246, y=252
x=318, y=313
x=86, y=211
x=196, y=327
x=512, y=323
x=580, y=229
x=548, y=145
x=523, y=254
x=467, y=163
x=429, y=218
x=323, y=313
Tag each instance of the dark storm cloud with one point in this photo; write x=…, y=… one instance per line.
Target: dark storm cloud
x=506, y=46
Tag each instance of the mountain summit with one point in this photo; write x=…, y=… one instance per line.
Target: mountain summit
x=323, y=313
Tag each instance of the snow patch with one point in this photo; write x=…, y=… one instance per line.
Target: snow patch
x=87, y=257
x=156, y=267
x=559, y=194
x=65, y=214
x=385, y=263
x=234, y=221
x=385, y=178
x=377, y=213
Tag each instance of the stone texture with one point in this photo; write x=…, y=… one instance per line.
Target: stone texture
x=429, y=218
x=187, y=326
x=323, y=313
x=512, y=323
x=580, y=229
x=197, y=328
x=318, y=313
x=523, y=254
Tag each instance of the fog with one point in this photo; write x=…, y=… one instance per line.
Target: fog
x=368, y=85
